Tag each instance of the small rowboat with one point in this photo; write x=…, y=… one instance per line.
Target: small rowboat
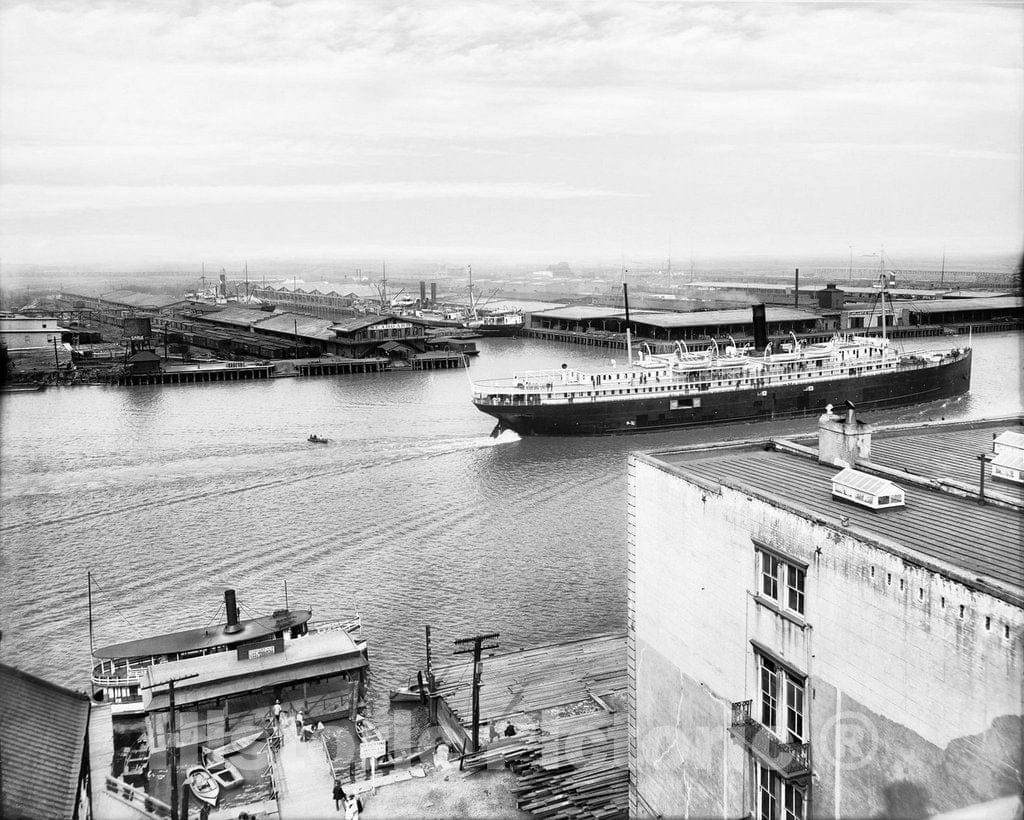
x=223, y=770
x=203, y=786
x=240, y=743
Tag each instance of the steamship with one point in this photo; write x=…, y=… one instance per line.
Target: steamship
x=685, y=388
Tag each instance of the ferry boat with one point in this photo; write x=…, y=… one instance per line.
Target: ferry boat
x=503, y=323
x=685, y=388
x=121, y=670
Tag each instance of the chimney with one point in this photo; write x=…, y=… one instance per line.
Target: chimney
x=233, y=627
x=796, y=289
x=423, y=293
x=843, y=441
x=760, y=327
x=433, y=294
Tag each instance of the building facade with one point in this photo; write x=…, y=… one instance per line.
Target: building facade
x=795, y=655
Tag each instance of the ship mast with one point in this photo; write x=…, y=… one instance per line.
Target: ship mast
x=629, y=339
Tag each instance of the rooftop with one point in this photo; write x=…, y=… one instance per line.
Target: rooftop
x=306, y=327
x=42, y=738
x=982, y=544
x=203, y=637
x=1011, y=303
x=317, y=654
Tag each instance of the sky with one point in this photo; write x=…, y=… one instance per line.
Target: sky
x=141, y=132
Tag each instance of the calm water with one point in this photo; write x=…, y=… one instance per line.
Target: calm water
x=411, y=515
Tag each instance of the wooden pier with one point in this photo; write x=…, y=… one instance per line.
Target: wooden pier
x=341, y=366
x=567, y=704
x=199, y=374
x=439, y=360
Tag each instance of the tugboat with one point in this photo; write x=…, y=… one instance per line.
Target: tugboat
x=315, y=439
x=687, y=388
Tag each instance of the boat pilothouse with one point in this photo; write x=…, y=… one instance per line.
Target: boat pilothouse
x=684, y=388
x=119, y=670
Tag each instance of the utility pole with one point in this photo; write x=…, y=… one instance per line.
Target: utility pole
x=172, y=743
x=478, y=647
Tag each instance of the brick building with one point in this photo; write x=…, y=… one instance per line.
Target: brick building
x=797, y=654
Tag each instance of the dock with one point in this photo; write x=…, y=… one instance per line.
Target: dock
x=567, y=705
x=199, y=373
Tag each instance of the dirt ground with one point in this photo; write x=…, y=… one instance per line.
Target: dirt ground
x=445, y=793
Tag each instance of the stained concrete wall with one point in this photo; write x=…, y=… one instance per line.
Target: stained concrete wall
x=914, y=704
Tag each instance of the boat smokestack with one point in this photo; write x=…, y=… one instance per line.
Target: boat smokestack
x=433, y=293
x=760, y=327
x=423, y=293
x=796, y=289
x=232, y=609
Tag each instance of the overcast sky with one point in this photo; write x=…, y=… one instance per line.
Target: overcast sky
x=135, y=131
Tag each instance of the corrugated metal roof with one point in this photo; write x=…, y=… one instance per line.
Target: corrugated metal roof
x=580, y=312
x=983, y=540
x=43, y=732
x=359, y=322
x=916, y=451
x=306, y=327
x=737, y=316
x=238, y=316
x=952, y=305
x=136, y=299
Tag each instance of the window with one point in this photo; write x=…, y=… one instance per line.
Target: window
x=769, y=683
x=774, y=793
x=781, y=581
x=782, y=694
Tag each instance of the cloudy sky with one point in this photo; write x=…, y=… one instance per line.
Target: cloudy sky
x=149, y=131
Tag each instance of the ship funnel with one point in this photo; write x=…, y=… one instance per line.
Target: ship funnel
x=232, y=626
x=760, y=327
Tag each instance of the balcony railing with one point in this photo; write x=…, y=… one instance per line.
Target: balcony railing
x=789, y=759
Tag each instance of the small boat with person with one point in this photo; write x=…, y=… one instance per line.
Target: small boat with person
x=222, y=770
x=315, y=439
x=202, y=784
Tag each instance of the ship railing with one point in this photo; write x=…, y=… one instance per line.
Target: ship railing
x=117, y=672
x=352, y=624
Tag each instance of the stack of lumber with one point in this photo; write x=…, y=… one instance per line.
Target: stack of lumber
x=567, y=702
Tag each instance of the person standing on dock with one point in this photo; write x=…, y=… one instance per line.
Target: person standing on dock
x=277, y=713
x=298, y=724
x=339, y=795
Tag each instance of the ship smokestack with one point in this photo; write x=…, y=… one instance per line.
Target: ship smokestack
x=760, y=327
x=796, y=289
x=232, y=626
x=423, y=293
x=433, y=293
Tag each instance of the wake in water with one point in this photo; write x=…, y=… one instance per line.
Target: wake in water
x=435, y=448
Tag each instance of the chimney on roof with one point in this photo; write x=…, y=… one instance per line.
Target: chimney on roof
x=843, y=441
x=232, y=627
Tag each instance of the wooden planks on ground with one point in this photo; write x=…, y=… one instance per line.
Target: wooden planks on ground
x=566, y=700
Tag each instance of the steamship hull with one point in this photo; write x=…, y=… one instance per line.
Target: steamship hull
x=906, y=386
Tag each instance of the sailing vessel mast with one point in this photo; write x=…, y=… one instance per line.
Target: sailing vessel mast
x=629, y=339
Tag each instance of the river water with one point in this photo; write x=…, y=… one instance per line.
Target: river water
x=411, y=514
